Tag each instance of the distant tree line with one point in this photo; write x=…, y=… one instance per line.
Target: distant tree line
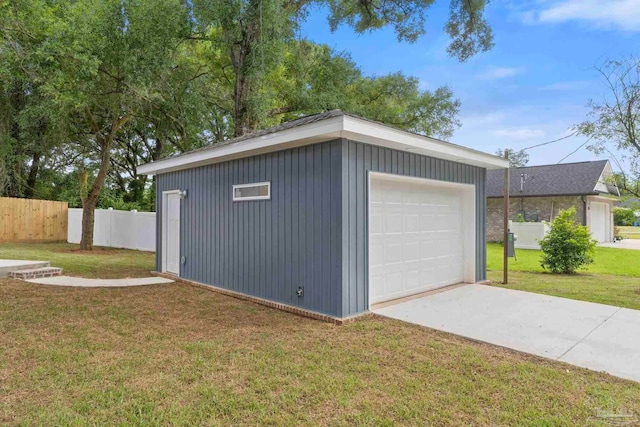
x=91, y=89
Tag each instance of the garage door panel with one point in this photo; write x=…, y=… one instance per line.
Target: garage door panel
x=418, y=230
x=392, y=222
x=411, y=223
x=392, y=253
x=411, y=252
x=376, y=254
x=389, y=196
x=393, y=283
x=375, y=220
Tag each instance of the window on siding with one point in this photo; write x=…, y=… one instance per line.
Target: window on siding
x=254, y=191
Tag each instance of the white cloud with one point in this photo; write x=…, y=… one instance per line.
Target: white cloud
x=519, y=133
x=620, y=14
x=566, y=86
x=498, y=73
x=477, y=120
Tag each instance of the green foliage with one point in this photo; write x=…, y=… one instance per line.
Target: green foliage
x=620, y=262
x=111, y=199
x=106, y=85
x=568, y=246
x=623, y=216
x=517, y=159
x=519, y=217
x=614, y=119
x=300, y=86
x=617, y=234
x=252, y=39
x=467, y=28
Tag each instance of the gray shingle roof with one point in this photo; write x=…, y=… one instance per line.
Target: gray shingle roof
x=548, y=180
x=283, y=126
x=300, y=122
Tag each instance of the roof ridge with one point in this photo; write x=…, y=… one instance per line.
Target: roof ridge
x=561, y=164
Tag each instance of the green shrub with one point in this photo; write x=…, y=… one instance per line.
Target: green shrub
x=623, y=216
x=519, y=217
x=568, y=246
x=617, y=235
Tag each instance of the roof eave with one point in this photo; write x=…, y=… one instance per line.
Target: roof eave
x=545, y=195
x=324, y=130
x=374, y=133
x=329, y=129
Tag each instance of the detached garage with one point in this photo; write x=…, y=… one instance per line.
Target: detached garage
x=328, y=214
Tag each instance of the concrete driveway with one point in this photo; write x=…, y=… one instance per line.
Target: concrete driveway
x=594, y=336
x=623, y=244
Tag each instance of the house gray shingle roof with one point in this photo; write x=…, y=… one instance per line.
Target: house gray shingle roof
x=548, y=180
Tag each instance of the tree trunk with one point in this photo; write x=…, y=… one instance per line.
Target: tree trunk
x=33, y=175
x=242, y=90
x=88, y=213
x=90, y=198
x=90, y=202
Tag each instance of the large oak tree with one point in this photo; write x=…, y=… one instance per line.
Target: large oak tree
x=614, y=119
x=252, y=35
x=102, y=63
x=100, y=86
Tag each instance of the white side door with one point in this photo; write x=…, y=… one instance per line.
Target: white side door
x=171, y=233
x=598, y=221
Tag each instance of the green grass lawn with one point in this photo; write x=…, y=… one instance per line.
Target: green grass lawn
x=181, y=355
x=630, y=232
x=620, y=291
x=184, y=356
x=614, y=279
x=611, y=261
x=105, y=263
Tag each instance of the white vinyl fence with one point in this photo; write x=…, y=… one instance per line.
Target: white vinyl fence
x=529, y=233
x=117, y=229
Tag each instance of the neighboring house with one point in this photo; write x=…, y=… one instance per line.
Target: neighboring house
x=540, y=192
x=326, y=214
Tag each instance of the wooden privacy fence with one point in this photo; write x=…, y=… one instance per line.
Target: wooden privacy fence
x=29, y=220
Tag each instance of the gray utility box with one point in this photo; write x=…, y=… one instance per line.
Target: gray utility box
x=511, y=244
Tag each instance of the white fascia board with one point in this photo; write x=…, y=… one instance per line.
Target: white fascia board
x=604, y=198
x=605, y=176
x=377, y=134
x=324, y=130
x=337, y=127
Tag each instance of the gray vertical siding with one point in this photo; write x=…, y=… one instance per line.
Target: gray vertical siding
x=313, y=231
x=265, y=248
x=358, y=160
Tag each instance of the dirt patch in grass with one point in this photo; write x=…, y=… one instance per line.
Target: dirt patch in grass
x=181, y=355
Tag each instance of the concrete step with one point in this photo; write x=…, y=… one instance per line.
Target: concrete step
x=9, y=265
x=36, y=273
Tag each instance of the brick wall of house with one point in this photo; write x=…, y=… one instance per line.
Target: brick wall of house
x=533, y=209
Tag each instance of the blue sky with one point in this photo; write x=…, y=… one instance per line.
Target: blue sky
x=530, y=88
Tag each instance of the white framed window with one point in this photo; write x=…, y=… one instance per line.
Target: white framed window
x=253, y=191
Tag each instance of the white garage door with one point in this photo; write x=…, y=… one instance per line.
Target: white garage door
x=599, y=221
x=416, y=236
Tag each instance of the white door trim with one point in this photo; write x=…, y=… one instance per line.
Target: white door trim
x=468, y=222
x=165, y=199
